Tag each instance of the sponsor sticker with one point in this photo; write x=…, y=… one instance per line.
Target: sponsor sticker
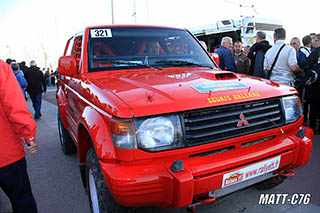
x=219, y=86
x=100, y=33
x=238, y=96
x=252, y=171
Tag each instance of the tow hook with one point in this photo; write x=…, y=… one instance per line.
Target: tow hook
x=288, y=173
x=208, y=200
x=192, y=208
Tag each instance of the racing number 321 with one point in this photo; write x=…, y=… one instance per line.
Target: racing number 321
x=101, y=33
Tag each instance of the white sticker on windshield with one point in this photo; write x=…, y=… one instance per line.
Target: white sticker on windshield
x=100, y=33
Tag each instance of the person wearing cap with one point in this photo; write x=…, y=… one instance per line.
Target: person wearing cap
x=18, y=128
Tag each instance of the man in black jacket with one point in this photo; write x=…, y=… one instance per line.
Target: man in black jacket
x=36, y=85
x=312, y=64
x=256, y=55
x=23, y=67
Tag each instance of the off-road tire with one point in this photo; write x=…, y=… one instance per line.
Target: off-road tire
x=106, y=202
x=67, y=145
x=270, y=183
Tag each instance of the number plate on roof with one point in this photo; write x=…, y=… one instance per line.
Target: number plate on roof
x=100, y=33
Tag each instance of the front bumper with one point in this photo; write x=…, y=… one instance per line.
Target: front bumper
x=157, y=185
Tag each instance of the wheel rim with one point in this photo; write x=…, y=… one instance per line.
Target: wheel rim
x=93, y=193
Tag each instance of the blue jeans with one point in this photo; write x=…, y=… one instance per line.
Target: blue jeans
x=49, y=81
x=15, y=183
x=36, y=103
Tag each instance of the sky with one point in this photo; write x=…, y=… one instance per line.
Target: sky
x=39, y=29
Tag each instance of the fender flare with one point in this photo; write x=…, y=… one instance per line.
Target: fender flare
x=97, y=128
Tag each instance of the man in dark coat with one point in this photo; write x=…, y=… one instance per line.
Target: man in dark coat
x=36, y=85
x=23, y=67
x=256, y=55
x=313, y=84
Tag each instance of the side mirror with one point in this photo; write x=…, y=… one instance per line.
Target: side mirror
x=67, y=65
x=215, y=57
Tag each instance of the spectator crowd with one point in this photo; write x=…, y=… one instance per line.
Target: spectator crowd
x=33, y=81
x=296, y=64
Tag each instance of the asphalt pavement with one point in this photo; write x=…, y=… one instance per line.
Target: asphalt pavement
x=57, y=186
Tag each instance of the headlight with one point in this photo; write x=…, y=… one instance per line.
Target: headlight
x=159, y=133
x=292, y=108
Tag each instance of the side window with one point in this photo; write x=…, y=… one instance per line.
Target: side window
x=76, y=50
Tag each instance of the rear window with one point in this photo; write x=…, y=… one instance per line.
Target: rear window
x=140, y=47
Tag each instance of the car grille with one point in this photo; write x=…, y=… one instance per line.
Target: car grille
x=229, y=121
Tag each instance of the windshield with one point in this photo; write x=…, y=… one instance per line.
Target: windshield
x=143, y=47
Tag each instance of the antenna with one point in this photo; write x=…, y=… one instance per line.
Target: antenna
x=134, y=12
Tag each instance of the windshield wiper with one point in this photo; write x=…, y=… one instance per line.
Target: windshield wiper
x=132, y=63
x=182, y=63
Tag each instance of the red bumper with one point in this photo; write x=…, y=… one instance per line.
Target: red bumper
x=157, y=185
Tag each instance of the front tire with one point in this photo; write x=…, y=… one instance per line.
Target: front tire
x=100, y=198
x=67, y=145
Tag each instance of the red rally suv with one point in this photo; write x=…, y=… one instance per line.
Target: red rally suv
x=155, y=122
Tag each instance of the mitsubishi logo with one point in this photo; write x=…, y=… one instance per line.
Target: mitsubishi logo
x=242, y=121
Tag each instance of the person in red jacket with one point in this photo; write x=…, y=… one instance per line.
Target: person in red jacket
x=17, y=127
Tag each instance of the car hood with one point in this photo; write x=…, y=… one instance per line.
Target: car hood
x=151, y=92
